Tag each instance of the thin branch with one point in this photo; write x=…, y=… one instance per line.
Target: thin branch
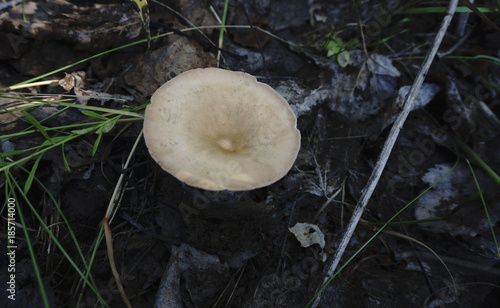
x=386, y=151
x=109, y=245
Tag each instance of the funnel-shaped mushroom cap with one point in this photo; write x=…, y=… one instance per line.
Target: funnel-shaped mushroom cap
x=216, y=129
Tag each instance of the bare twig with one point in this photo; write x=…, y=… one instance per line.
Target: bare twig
x=109, y=244
x=386, y=151
x=110, y=212
x=118, y=187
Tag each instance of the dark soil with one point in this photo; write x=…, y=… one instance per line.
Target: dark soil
x=234, y=249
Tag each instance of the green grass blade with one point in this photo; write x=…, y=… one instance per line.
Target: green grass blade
x=108, y=126
x=494, y=60
x=65, y=161
x=94, y=251
x=107, y=110
x=86, y=130
x=475, y=158
x=93, y=114
x=61, y=69
x=460, y=9
x=27, y=132
x=96, y=143
x=484, y=206
x=143, y=7
x=17, y=162
x=56, y=139
x=75, y=105
x=70, y=230
x=55, y=240
x=31, y=175
x=12, y=153
x=61, y=213
x=19, y=152
x=224, y=16
x=83, y=61
x=8, y=178
x=38, y=126
x=25, y=19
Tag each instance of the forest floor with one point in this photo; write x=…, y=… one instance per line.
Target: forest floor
x=61, y=175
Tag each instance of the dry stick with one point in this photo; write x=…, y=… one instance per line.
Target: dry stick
x=386, y=151
x=109, y=217
x=109, y=244
x=110, y=212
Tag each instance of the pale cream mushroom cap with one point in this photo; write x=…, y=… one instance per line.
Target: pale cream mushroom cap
x=221, y=130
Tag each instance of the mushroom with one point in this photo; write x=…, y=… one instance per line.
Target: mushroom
x=221, y=130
